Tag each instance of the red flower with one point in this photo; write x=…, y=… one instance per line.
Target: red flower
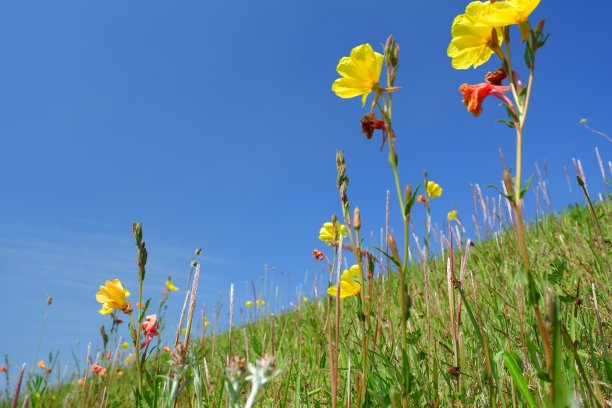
x=474, y=95
x=97, y=369
x=149, y=326
x=318, y=255
x=369, y=124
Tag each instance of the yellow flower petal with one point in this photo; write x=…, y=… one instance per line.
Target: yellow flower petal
x=170, y=286
x=112, y=296
x=360, y=73
x=349, y=285
x=327, y=233
x=451, y=215
x=433, y=189
x=471, y=42
x=105, y=310
x=508, y=12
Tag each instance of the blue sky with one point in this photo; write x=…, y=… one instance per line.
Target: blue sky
x=214, y=124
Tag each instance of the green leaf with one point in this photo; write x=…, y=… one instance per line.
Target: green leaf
x=516, y=374
x=558, y=268
x=508, y=123
x=389, y=256
x=526, y=187
x=411, y=200
x=493, y=186
x=560, y=391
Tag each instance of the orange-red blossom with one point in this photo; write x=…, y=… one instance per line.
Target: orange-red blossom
x=474, y=95
x=149, y=326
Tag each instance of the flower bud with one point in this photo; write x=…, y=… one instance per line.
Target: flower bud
x=539, y=27
x=392, y=52
x=356, y=219
x=393, y=246
x=408, y=193
x=508, y=182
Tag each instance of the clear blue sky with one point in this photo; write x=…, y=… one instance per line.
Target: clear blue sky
x=214, y=124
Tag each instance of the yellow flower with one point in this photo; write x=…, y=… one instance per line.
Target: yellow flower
x=125, y=345
x=349, y=285
x=433, y=190
x=305, y=299
x=206, y=322
x=260, y=302
x=41, y=365
x=327, y=233
x=451, y=215
x=170, y=286
x=113, y=296
x=472, y=40
x=360, y=73
x=249, y=304
x=503, y=13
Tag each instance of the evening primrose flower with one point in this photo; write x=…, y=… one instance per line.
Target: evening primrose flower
x=503, y=13
x=260, y=302
x=433, y=189
x=349, y=285
x=170, y=286
x=249, y=304
x=113, y=296
x=329, y=234
x=473, y=42
x=360, y=73
x=125, y=345
x=206, y=322
x=451, y=215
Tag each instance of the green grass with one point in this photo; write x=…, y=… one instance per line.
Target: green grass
x=495, y=358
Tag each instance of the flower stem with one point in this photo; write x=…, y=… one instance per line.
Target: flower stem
x=362, y=318
x=406, y=218
x=136, y=339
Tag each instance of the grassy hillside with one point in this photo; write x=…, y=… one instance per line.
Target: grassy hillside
x=472, y=339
